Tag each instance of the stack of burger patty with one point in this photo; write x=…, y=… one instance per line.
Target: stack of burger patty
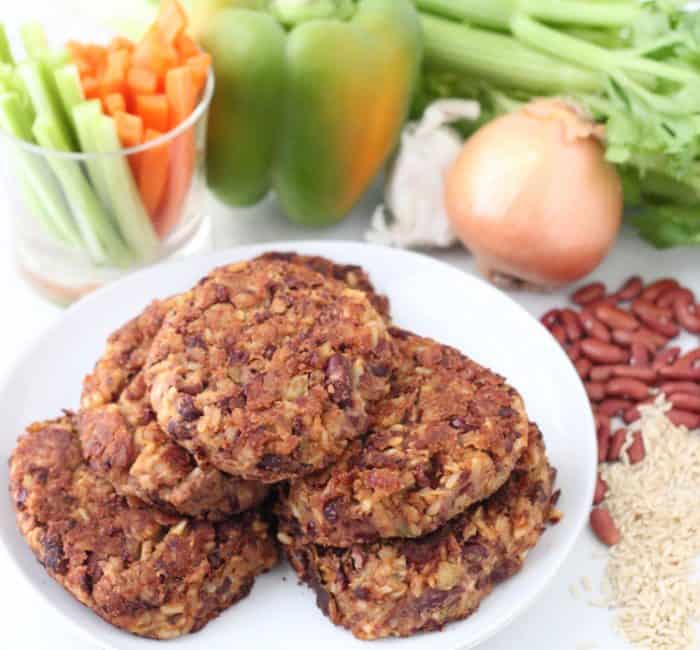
x=403, y=478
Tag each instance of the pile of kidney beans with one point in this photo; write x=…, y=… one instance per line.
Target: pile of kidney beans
x=620, y=344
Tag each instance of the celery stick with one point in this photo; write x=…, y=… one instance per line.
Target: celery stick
x=500, y=59
x=102, y=241
x=5, y=49
x=134, y=222
x=69, y=89
x=34, y=40
x=48, y=135
x=13, y=83
x=41, y=87
x=55, y=215
x=84, y=115
x=57, y=58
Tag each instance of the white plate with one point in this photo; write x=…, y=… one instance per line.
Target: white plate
x=427, y=297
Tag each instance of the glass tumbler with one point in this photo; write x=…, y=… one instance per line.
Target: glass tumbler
x=81, y=220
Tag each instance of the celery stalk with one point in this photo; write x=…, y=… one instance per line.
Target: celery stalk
x=133, y=220
x=57, y=58
x=41, y=87
x=47, y=134
x=496, y=14
x=84, y=115
x=54, y=215
x=101, y=239
x=500, y=59
x=5, y=49
x=12, y=82
x=574, y=50
x=69, y=89
x=34, y=40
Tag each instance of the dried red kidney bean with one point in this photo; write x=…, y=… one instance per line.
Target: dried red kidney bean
x=657, y=319
x=627, y=388
x=601, y=373
x=679, y=373
x=687, y=315
x=669, y=297
x=615, y=318
x=685, y=402
x=665, y=357
x=588, y=293
x=594, y=327
x=601, y=487
x=655, y=289
x=684, y=418
x=583, y=367
x=636, y=450
x=640, y=356
x=572, y=324
x=643, y=336
x=617, y=442
x=558, y=333
x=550, y=318
x=686, y=387
x=603, y=436
x=604, y=527
x=646, y=375
x=630, y=289
x=573, y=350
x=613, y=407
x=601, y=352
x=690, y=359
x=595, y=391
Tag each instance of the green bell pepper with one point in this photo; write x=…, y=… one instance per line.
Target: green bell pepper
x=311, y=97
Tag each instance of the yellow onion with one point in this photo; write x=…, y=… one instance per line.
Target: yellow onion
x=533, y=198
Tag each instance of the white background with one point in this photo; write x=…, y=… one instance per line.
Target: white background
x=558, y=620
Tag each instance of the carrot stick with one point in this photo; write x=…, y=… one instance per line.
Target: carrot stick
x=90, y=87
x=114, y=77
x=84, y=67
x=130, y=132
x=120, y=43
x=186, y=47
x=141, y=81
x=154, y=111
x=129, y=129
x=180, y=91
x=152, y=176
x=200, y=65
x=114, y=103
x=154, y=52
x=171, y=20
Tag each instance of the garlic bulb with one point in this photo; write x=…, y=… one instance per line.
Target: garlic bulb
x=413, y=214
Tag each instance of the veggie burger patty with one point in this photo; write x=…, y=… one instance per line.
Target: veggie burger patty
x=146, y=571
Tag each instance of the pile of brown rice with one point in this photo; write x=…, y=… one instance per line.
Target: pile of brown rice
x=656, y=506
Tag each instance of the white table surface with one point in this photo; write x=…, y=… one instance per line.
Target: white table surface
x=557, y=620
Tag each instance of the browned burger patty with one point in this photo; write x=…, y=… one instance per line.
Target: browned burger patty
x=269, y=371
x=448, y=435
x=122, y=440
x=401, y=587
x=352, y=275
x=143, y=570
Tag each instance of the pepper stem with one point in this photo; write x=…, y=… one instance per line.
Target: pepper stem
x=293, y=12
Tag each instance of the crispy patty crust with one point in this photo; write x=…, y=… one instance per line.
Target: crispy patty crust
x=401, y=587
x=352, y=275
x=123, y=441
x=145, y=571
x=269, y=370
x=448, y=435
